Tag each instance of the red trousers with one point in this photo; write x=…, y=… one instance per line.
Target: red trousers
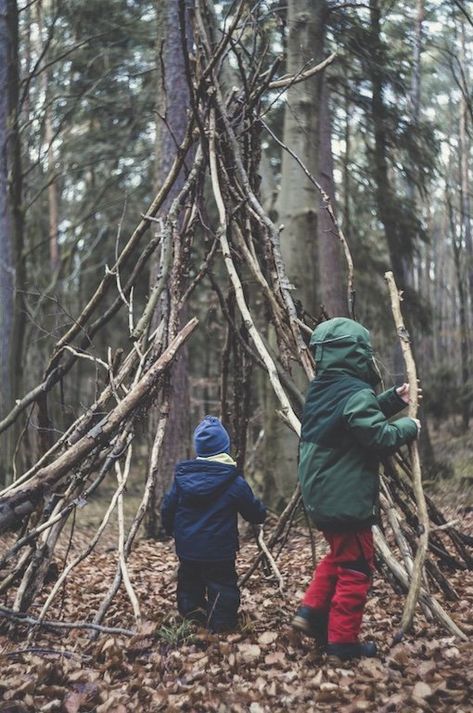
x=340, y=583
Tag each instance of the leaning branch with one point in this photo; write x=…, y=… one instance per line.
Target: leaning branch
x=24, y=500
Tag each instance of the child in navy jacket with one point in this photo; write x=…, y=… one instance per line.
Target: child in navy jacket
x=201, y=511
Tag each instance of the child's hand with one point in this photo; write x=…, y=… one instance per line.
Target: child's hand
x=403, y=392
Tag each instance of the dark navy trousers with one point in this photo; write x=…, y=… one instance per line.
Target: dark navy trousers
x=208, y=592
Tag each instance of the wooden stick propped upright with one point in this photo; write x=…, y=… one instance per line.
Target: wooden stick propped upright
x=422, y=515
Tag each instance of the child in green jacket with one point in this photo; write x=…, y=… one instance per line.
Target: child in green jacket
x=345, y=433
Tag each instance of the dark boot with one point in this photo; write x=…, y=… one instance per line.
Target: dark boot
x=313, y=622
x=197, y=616
x=338, y=653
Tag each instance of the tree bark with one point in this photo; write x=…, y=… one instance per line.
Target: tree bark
x=298, y=200
x=12, y=263
x=7, y=269
x=173, y=107
x=297, y=206
x=331, y=274
x=386, y=199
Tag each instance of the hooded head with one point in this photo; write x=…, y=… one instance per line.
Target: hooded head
x=343, y=345
x=210, y=438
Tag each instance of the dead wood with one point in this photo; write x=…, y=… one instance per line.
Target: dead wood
x=23, y=500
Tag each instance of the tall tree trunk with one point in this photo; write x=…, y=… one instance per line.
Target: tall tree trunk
x=462, y=248
x=12, y=264
x=298, y=200
x=465, y=151
x=7, y=269
x=346, y=170
x=173, y=105
x=415, y=115
x=53, y=209
x=297, y=207
x=386, y=199
x=45, y=421
x=387, y=202
x=331, y=274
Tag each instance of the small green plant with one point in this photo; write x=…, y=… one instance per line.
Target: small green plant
x=176, y=631
x=246, y=624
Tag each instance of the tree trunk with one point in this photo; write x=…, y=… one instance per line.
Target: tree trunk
x=465, y=150
x=298, y=200
x=458, y=249
x=331, y=273
x=386, y=199
x=53, y=208
x=297, y=207
x=173, y=105
x=12, y=264
x=7, y=269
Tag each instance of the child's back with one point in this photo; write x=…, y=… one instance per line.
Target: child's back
x=201, y=511
x=206, y=498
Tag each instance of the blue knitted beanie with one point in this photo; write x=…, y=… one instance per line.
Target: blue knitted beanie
x=211, y=438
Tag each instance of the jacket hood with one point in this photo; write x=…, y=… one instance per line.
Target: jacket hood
x=203, y=480
x=343, y=345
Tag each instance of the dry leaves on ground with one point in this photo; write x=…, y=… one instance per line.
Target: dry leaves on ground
x=263, y=667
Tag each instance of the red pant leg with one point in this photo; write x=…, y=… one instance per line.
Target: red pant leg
x=352, y=553
x=320, y=590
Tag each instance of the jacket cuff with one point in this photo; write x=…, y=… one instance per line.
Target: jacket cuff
x=408, y=428
x=390, y=402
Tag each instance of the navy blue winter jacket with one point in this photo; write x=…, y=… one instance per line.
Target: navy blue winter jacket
x=201, y=509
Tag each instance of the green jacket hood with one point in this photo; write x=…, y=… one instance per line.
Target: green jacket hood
x=343, y=345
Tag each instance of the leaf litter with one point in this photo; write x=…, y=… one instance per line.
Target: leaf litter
x=170, y=665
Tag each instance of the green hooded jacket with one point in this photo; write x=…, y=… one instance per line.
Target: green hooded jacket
x=345, y=429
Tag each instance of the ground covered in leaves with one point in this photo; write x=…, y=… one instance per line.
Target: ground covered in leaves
x=264, y=666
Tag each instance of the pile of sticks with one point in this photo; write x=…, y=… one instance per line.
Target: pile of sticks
x=224, y=139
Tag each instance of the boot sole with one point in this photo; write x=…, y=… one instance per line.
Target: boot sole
x=336, y=662
x=303, y=625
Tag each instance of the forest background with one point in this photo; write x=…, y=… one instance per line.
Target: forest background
x=95, y=102
x=254, y=116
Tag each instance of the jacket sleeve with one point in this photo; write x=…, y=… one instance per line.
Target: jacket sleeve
x=368, y=424
x=168, y=509
x=390, y=403
x=249, y=507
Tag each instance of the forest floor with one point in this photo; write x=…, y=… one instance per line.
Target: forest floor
x=263, y=667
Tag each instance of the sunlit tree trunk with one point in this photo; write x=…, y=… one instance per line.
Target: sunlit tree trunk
x=297, y=207
x=298, y=201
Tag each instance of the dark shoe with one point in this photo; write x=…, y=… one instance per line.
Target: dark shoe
x=338, y=653
x=312, y=622
x=223, y=628
x=197, y=616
